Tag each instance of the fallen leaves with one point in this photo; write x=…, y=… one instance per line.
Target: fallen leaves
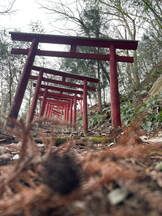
x=97, y=174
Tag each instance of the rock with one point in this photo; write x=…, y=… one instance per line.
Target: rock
x=156, y=88
x=79, y=204
x=40, y=145
x=159, y=166
x=109, y=145
x=117, y=196
x=16, y=157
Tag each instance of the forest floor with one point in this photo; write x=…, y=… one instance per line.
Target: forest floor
x=45, y=171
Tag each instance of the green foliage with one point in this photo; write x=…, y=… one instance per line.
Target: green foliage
x=97, y=119
x=98, y=139
x=153, y=119
x=60, y=140
x=119, y=19
x=95, y=139
x=159, y=166
x=3, y=50
x=92, y=20
x=127, y=112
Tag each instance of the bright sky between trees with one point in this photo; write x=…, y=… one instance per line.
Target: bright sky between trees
x=24, y=12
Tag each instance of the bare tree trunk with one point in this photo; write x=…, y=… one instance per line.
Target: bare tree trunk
x=103, y=87
x=10, y=83
x=99, y=89
x=136, y=78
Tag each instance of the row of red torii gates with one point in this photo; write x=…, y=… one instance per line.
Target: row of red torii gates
x=62, y=101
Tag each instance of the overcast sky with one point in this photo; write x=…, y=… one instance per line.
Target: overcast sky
x=26, y=11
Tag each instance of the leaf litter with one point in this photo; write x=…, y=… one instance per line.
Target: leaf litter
x=78, y=177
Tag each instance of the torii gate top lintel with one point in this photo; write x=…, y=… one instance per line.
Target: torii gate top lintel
x=75, y=41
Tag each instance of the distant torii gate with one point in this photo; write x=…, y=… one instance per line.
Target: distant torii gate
x=71, y=99
x=74, y=42
x=65, y=83
x=64, y=75
x=85, y=88
x=63, y=98
x=63, y=106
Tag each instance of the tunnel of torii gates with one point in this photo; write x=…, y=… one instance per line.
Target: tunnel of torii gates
x=60, y=101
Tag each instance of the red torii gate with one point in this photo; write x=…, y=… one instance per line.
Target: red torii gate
x=60, y=89
x=83, y=86
x=72, y=100
x=56, y=96
x=69, y=84
x=51, y=110
x=56, y=104
x=74, y=43
x=59, y=82
x=64, y=75
x=69, y=101
x=66, y=104
x=46, y=95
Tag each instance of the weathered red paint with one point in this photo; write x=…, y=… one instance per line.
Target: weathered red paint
x=43, y=102
x=77, y=41
x=58, y=102
x=74, y=43
x=65, y=113
x=81, y=107
x=23, y=80
x=114, y=92
x=68, y=113
x=58, y=105
x=99, y=57
x=46, y=110
x=59, y=96
x=55, y=111
x=75, y=85
x=50, y=111
x=74, y=113
x=60, y=89
x=58, y=115
x=68, y=75
x=71, y=113
x=63, y=100
x=35, y=98
x=51, y=106
x=85, y=113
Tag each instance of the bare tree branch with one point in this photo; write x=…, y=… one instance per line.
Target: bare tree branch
x=8, y=9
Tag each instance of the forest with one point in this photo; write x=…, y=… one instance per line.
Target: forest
x=49, y=164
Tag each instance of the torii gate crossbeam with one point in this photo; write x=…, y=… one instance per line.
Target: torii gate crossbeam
x=74, y=42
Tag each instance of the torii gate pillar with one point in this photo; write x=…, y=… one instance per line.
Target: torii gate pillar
x=75, y=113
x=23, y=80
x=114, y=92
x=85, y=111
x=35, y=98
x=43, y=106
